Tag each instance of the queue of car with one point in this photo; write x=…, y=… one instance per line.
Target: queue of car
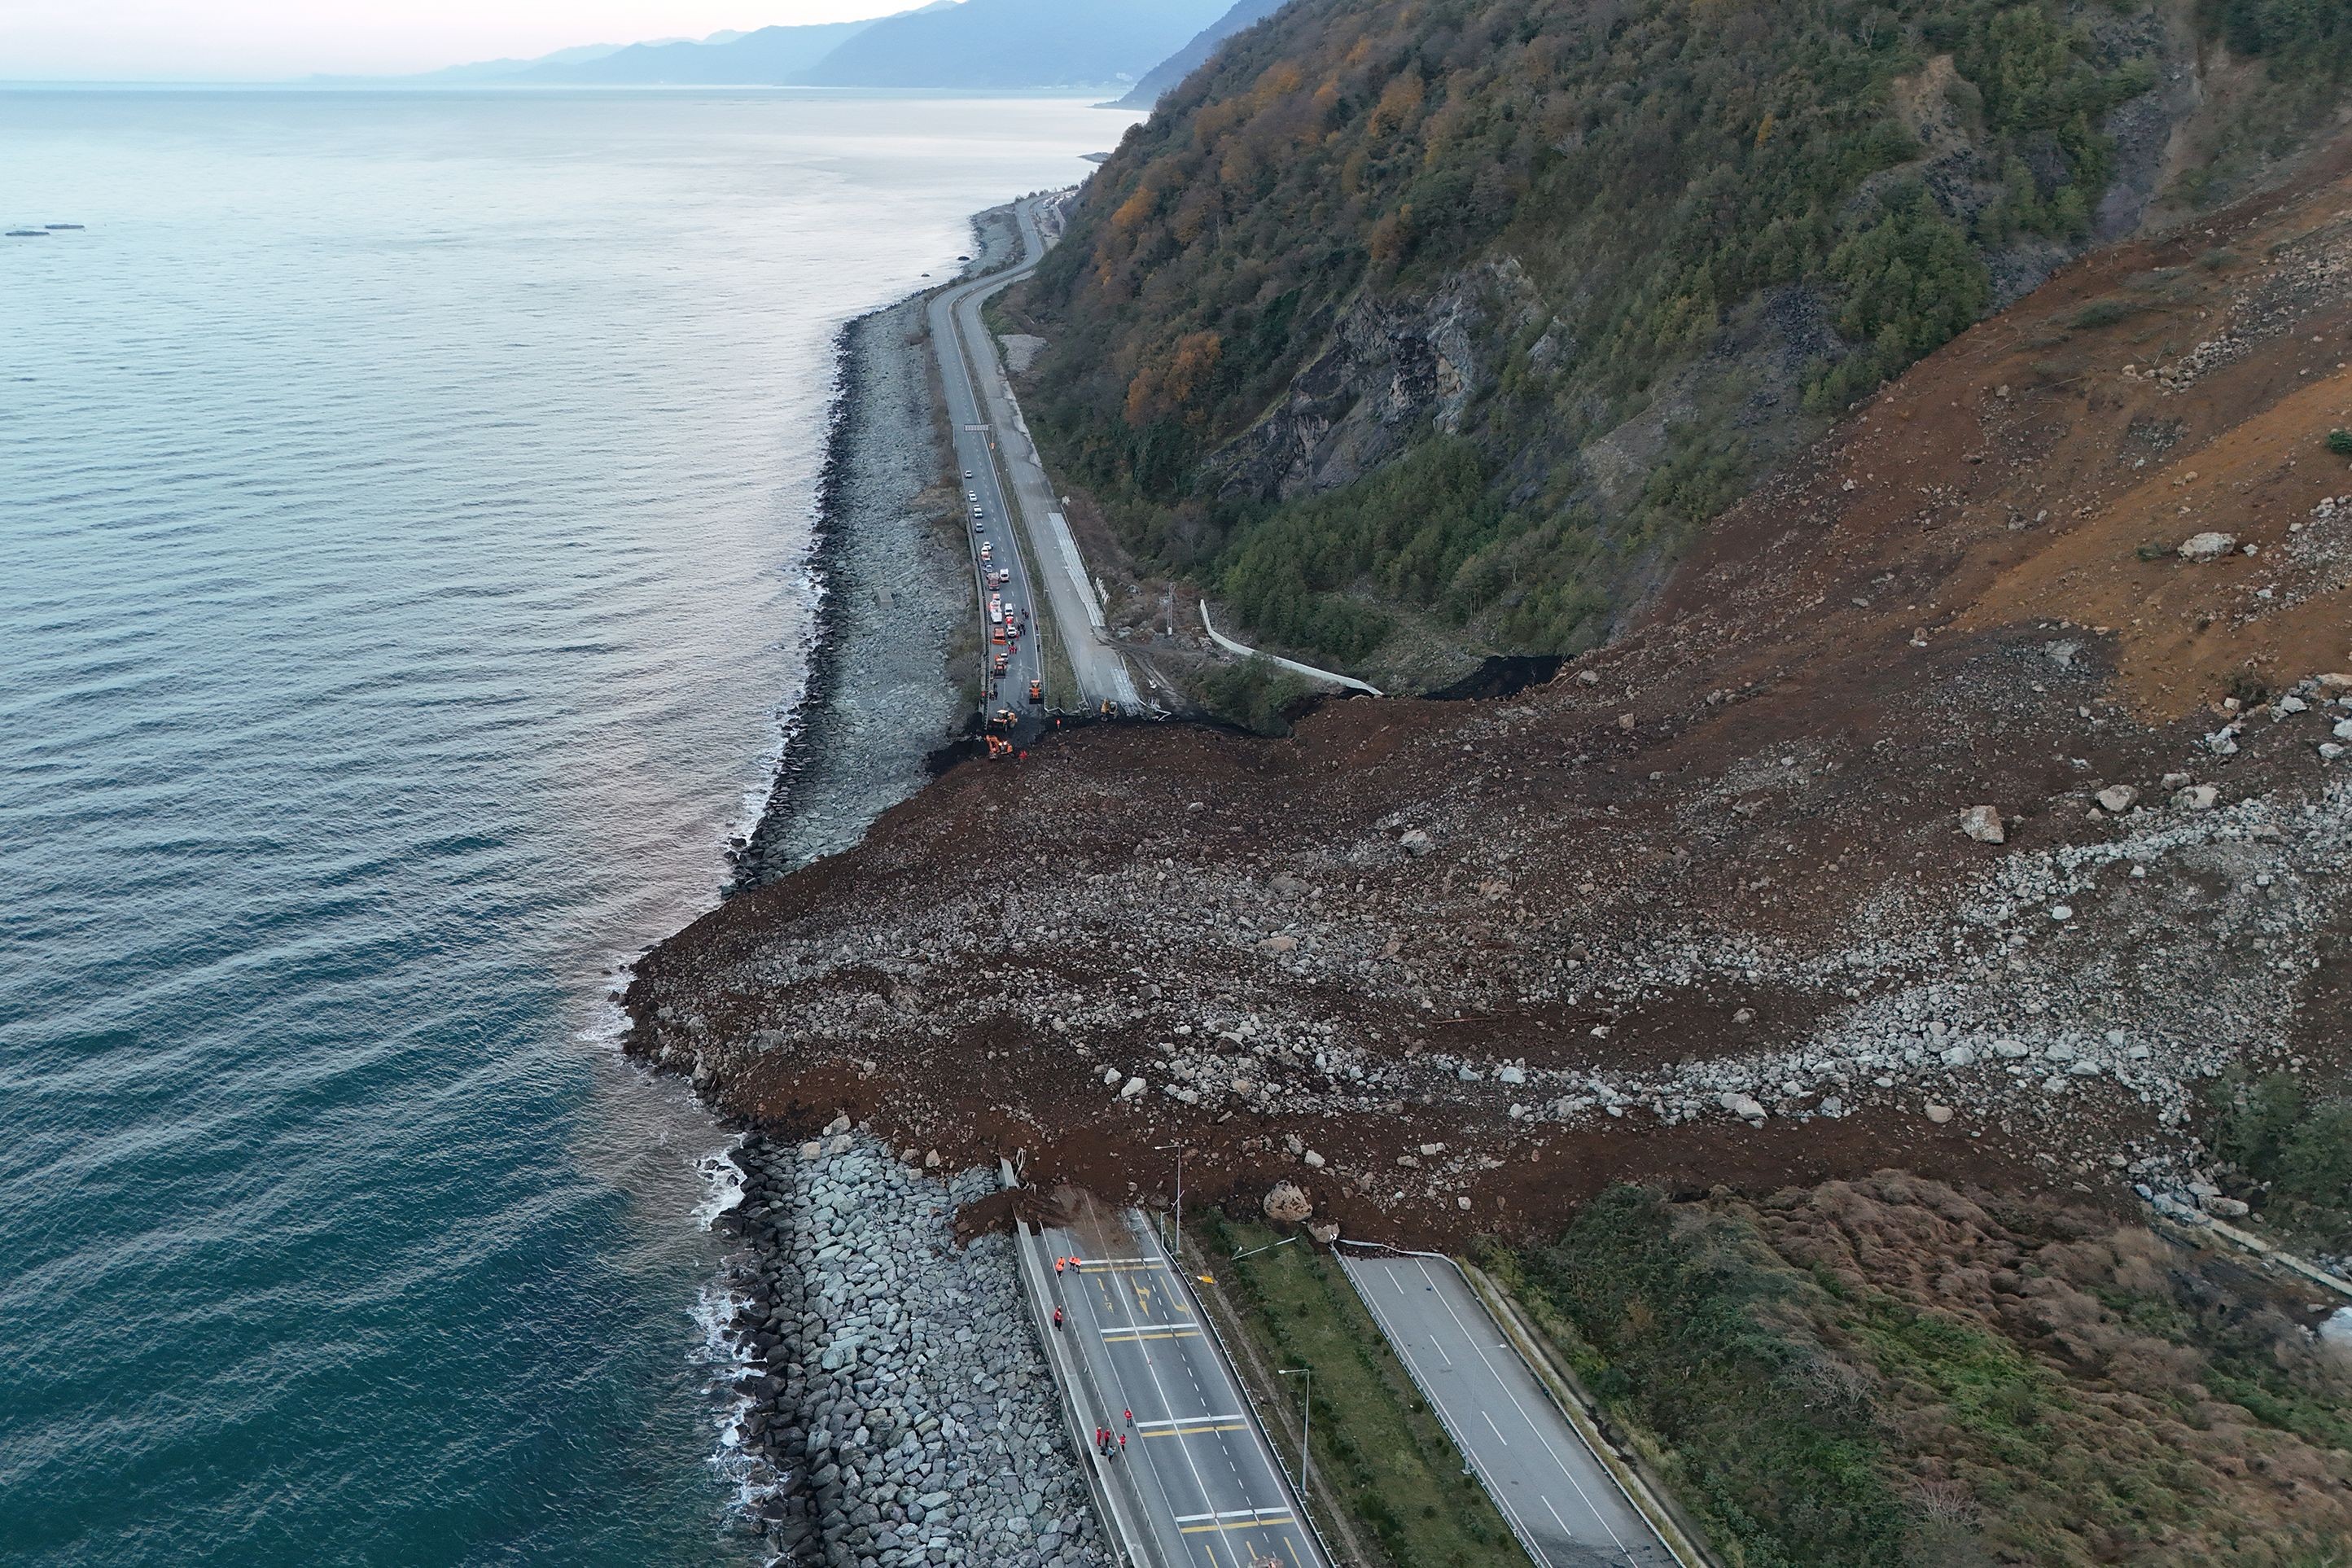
x=1004, y=620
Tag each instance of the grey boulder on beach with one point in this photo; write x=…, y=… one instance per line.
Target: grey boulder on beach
x=897, y=1391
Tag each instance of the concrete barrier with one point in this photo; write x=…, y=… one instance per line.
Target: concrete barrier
x=1036, y=1284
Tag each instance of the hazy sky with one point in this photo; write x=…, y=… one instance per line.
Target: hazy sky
x=116, y=40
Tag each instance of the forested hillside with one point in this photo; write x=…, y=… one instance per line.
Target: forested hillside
x=1477, y=309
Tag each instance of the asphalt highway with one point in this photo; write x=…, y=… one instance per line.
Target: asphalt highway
x=1196, y=1474
x=1566, y=1509
x=975, y=450
x=978, y=396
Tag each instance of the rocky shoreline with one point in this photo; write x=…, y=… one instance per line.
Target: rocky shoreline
x=897, y=591
x=892, y=1405
x=894, y=1395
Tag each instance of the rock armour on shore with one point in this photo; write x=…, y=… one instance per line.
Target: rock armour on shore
x=897, y=1386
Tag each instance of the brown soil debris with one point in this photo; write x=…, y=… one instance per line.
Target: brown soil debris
x=1698, y=910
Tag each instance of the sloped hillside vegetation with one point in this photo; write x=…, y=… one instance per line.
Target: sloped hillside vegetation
x=1890, y=1372
x=2285, y=1144
x=1477, y=307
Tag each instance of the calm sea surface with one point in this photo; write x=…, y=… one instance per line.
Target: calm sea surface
x=402, y=512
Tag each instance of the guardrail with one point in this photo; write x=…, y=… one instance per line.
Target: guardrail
x=1665, y=1521
x=1629, y=1484
x=1510, y=1520
x=1257, y=1414
x=946, y=300
x=1118, y=1530
x=1243, y=650
x=2193, y=1234
x=1018, y=519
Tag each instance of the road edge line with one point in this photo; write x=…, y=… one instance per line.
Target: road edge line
x=1018, y=515
x=1510, y=1518
x=1224, y=1354
x=1560, y=1388
x=1257, y=1410
x=1118, y=1532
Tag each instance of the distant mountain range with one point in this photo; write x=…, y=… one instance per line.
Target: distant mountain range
x=764, y=54
x=1013, y=44
x=977, y=44
x=1194, y=55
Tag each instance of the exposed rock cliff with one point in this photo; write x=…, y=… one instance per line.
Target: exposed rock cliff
x=1633, y=255
x=1394, y=370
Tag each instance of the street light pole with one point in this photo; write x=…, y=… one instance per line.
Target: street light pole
x=1307, y=1438
x=1176, y=1247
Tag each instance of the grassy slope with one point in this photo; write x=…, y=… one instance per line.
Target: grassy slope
x=1399, y=1474
x=1664, y=171
x=1884, y=1373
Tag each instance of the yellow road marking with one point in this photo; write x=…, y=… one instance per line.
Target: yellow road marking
x=1236, y=1524
x=1113, y=1335
x=1198, y=1427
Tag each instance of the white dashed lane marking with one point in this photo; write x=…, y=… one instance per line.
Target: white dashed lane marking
x=1140, y=1317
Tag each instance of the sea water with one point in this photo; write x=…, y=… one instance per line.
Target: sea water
x=404, y=512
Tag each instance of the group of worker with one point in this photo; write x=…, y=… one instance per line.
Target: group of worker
x=1110, y=1445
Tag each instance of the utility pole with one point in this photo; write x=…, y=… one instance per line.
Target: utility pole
x=1305, y=1452
x=1176, y=1246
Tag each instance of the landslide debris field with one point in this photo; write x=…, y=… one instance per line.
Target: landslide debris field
x=1701, y=909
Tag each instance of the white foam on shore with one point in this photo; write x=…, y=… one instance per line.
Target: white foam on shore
x=722, y=1181
x=608, y=1021
x=791, y=712
x=814, y=588
x=741, y=1468
x=746, y=1478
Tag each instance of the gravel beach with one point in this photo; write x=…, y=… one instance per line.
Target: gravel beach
x=896, y=575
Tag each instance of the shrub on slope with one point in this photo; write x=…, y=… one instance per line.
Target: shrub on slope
x=1888, y=1374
